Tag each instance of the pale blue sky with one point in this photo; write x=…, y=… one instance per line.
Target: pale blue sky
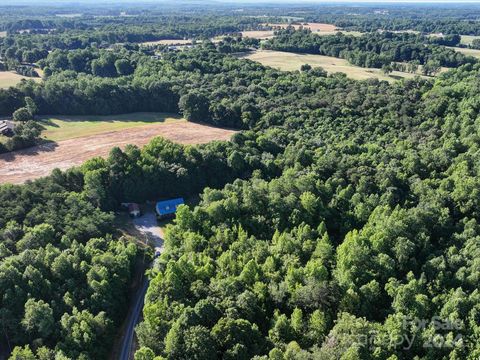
x=239, y=2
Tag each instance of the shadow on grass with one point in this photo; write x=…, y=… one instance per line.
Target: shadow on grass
x=147, y=117
x=47, y=122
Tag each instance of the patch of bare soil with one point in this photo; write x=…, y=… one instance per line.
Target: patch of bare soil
x=28, y=164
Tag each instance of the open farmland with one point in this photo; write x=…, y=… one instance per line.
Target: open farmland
x=267, y=34
x=292, y=61
x=10, y=78
x=3, y=34
x=467, y=51
x=315, y=27
x=258, y=34
x=58, y=128
x=468, y=39
x=28, y=164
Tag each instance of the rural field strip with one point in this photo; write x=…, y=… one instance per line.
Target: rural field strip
x=293, y=61
x=28, y=164
x=10, y=78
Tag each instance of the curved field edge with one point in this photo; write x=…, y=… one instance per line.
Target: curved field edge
x=19, y=166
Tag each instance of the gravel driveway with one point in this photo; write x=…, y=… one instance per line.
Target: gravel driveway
x=147, y=224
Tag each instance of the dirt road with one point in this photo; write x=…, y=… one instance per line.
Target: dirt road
x=148, y=226
x=28, y=164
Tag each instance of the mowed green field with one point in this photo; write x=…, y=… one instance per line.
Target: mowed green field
x=57, y=128
x=292, y=61
x=9, y=78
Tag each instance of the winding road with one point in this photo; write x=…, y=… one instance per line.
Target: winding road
x=147, y=225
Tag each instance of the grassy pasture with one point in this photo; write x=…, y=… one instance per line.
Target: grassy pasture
x=10, y=78
x=468, y=52
x=292, y=61
x=467, y=39
x=59, y=128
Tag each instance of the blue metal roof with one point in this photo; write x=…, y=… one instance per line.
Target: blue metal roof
x=168, y=206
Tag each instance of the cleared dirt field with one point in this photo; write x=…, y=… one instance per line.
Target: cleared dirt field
x=3, y=33
x=291, y=61
x=268, y=34
x=315, y=27
x=258, y=34
x=28, y=164
x=9, y=78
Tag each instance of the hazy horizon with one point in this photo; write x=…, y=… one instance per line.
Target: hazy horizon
x=287, y=2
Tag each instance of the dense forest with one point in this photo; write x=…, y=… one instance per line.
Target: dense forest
x=356, y=201
x=373, y=210
x=341, y=222
x=421, y=17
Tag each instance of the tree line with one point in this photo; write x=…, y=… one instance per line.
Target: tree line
x=368, y=50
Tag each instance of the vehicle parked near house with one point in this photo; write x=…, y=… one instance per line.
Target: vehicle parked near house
x=134, y=210
x=6, y=127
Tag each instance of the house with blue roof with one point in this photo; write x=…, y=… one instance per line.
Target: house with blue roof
x=167, y=208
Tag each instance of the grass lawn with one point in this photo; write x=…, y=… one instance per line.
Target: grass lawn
x=9, y=78
x=69, y=127
x=291, y=61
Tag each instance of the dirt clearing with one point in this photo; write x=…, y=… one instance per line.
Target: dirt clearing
x=28, y=164
x=258, y=34
x=314, y=27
